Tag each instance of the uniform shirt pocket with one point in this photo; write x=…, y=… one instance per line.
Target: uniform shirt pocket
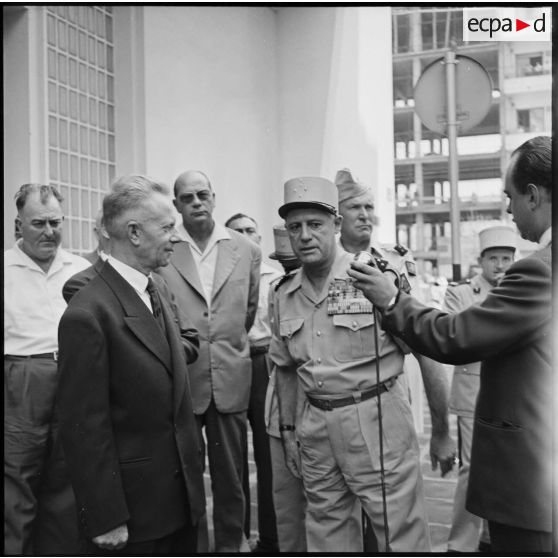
x=354, y=336
x=290, y=330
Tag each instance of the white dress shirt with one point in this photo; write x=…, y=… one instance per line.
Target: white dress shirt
x=546, y=238
x=136, y=279
x=33, y=302
x=207, y=260
x=260, y=332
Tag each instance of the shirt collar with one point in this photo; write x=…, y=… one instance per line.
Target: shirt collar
x=338, y=269
x=219, y=233
x=18, y=257
x=134, y=277
x=546, y=237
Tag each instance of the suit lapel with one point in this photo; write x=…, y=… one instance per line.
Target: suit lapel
x=227, y=258
x=137, y=317
x=184, y=263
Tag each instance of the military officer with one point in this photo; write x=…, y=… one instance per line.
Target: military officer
x=289, y=499
x=356, y=206
x=497, y=247
x=324, y=344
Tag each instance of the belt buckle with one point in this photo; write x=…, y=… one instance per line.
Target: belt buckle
x=326, y=404
x=357, y=397
x=55, y=356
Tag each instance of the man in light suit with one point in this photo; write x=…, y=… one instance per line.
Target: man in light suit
x=214, y=275
x=510, y=482
x=127, y=424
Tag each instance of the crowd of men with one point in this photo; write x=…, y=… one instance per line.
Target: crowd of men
x=126, y=372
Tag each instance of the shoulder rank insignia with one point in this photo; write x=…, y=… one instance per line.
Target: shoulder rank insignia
x=284, y=279
x=411, y=268
x=400, y=249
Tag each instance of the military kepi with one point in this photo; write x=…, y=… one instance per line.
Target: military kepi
x=499, y=236
x=283, y=250
x=309, y=191
x=349, y=187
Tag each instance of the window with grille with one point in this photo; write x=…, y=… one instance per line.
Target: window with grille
x=80, y=74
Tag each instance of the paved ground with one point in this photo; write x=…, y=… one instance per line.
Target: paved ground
x=439, y=492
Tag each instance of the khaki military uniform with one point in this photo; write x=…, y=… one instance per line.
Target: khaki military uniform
x=466, y=528
x=289, y=499
x=334, y=356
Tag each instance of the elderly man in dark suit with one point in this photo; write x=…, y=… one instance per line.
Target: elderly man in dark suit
x=214, y=275
x=127, y=423
x=510, y=481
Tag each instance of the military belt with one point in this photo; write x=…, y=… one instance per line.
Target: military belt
x=353, y=399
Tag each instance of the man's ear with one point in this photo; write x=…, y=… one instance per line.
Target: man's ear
x=133, y=229
x=534, y=193
x=338, y=221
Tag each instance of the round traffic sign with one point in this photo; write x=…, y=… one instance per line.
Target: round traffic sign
x=473, y=89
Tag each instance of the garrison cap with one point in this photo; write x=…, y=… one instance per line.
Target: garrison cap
x=309, y=191
x=283, y=250
x=499, y=236
x=349, y=187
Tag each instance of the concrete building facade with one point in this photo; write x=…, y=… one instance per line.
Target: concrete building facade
x=251, y=95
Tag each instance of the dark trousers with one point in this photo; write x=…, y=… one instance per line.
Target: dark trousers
x=180, y=543
x=505, y=539
x=39, y=506
x=225, y=434
x=267, y=527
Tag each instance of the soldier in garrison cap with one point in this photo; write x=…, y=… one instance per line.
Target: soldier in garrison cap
x=469, y=532
x=356, y=205
x=323, y=343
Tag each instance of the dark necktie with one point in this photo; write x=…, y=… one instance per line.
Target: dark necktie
x=156, y=305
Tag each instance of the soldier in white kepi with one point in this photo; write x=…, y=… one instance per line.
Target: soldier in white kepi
x=469, y=532
x=356, y=206
x=324, y=340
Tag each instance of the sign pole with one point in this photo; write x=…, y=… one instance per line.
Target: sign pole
x=450, y=63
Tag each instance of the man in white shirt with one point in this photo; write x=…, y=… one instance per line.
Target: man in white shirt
x=39, y=509
x=259, y=337
x=214, y=275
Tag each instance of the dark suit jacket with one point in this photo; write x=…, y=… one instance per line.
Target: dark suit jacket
x=188, y=332
x=126, y=420
x=224, y=368
x=510, y=332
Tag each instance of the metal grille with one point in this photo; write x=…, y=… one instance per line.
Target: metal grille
x=80, y=73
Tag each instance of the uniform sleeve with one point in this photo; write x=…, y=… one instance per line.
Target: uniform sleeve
x=85, y=423
x=452, y=300
x=512, y=312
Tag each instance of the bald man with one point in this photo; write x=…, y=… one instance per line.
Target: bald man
x=214, y=275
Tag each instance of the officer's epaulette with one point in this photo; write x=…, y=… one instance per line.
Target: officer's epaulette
x=284, y=279
x=401, y=250
x=457, y=283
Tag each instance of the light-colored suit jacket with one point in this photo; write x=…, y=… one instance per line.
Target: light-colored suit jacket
x=223, y=369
